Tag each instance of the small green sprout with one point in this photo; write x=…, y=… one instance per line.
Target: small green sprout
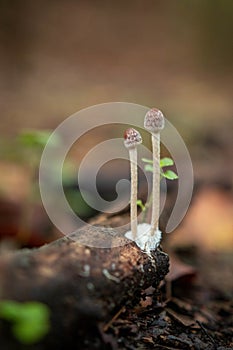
x=167, y=174
x=30, y=320
x=164, y=162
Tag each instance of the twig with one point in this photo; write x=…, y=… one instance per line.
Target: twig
x=106, y=327
x=206, y=333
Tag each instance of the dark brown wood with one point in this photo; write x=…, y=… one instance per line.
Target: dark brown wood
x=82, y=285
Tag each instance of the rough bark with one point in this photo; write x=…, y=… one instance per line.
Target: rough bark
x=82, y=285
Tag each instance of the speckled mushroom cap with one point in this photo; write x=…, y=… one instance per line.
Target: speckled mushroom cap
x=154, y=120
x=132, y=138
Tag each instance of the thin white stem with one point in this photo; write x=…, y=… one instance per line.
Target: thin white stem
x=134, y=191
x=156, y=183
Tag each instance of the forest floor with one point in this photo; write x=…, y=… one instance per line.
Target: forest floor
x=192, y=315
x=194, y=308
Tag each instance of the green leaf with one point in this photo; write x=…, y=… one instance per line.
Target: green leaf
x=30, y=321
x=9, y=310
x=166, y=162
x=169, y=174
x=163, y=162
x=37, y=138
x=141, y=205
x=145, y=160
x=30, y=332
x=148, y=167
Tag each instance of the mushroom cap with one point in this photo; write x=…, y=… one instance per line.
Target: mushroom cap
x=154, y=120
x=132, y=138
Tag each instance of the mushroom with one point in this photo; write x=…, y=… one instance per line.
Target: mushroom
x=154, y=123
x=132, y=139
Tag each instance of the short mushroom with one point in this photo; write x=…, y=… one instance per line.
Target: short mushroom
x=154, y=123
x=132, y=139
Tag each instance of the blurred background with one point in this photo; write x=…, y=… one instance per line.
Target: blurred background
x=57, y=57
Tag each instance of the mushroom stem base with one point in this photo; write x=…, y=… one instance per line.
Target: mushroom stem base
x=144, y=240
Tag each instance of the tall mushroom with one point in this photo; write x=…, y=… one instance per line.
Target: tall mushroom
x=154, y=123
x=132, y=139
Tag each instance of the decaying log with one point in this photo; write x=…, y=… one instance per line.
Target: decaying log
x=82, y=285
